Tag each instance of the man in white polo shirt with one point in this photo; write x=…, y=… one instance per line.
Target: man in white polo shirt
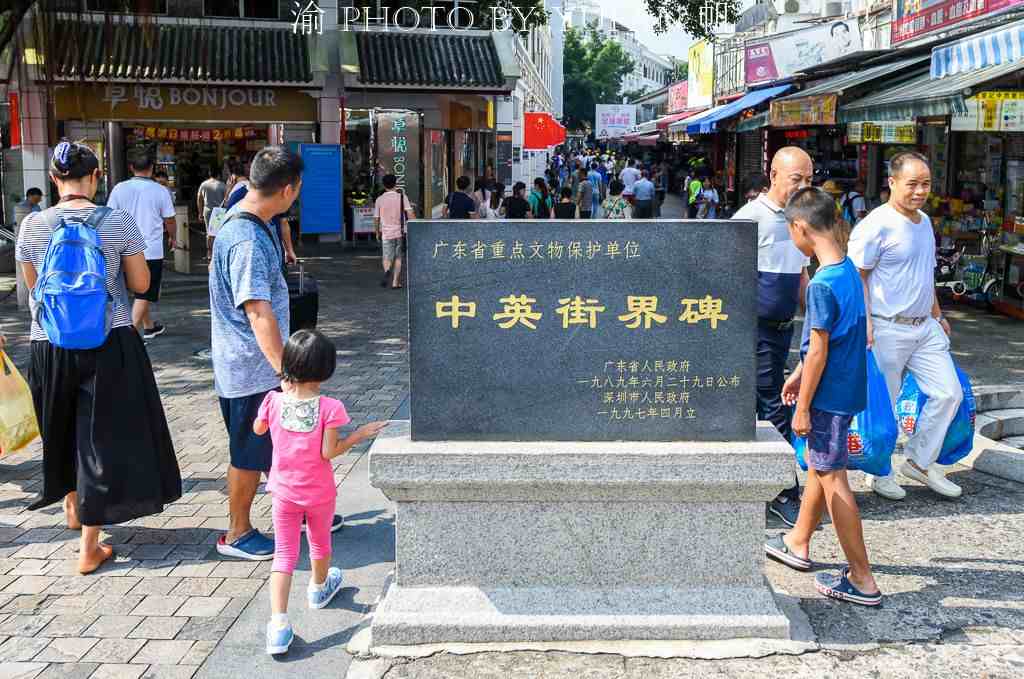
x=781, y=280
x=894, y=248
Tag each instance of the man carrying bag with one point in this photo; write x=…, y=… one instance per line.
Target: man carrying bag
x=390, y=212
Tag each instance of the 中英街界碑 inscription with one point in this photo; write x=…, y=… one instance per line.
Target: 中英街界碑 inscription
x=582, y=330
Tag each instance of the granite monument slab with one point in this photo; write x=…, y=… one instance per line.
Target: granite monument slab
x=584, y=330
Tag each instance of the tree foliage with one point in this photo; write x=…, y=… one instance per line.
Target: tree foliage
x=593, y=69
x=681, y=71
x=699, y=18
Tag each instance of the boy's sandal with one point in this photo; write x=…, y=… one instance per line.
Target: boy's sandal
x=777, y=549
x=839, y=587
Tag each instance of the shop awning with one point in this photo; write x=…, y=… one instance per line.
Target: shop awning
x=753, y=123
x=840, y=83
x=664, y=122
x=646, y=128
x=432, y=60
x=127, y=51
x=922, y=96
x=681, y=125
x=707, y=124
x=992, y=48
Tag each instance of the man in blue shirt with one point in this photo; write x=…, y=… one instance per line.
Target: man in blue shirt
x=597, y=181
x=33, y=197
x=460, y=205
x=643, y=194
x=781, y=275
x=250, y=324
x=828, y=388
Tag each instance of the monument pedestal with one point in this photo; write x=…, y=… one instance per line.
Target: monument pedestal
x=578, y=541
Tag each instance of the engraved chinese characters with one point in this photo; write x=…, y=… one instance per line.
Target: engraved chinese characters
x=582, y=330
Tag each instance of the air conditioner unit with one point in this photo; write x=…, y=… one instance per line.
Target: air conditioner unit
x=791, y=7
x=834, y=9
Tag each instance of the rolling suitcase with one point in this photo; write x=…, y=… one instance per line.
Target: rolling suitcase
x=303, y=300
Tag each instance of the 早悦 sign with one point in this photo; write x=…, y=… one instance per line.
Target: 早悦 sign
x=398, y=149
x=614, y=120
x=589, y=331
x=117, y=101
x=700, y=76
x=789, y=53
x=814, y=110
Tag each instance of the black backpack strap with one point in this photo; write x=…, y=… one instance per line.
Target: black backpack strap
x=98, y=215
x=266, y=229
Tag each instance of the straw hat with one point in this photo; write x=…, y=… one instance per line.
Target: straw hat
x=832, y=187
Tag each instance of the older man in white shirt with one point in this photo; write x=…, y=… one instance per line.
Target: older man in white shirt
x=894, y=248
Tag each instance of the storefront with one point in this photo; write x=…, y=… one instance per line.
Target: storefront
x=192, y=128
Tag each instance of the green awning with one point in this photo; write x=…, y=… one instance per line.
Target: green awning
x=846, y=81
x=754, y=123
x=922, y=96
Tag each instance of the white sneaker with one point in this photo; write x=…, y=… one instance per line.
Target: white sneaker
x=887, y=487
x=934, y=479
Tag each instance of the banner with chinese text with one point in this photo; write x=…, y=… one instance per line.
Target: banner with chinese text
x=820, y=110
x=398, y=151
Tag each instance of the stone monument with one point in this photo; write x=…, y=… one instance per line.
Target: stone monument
x=582, y=461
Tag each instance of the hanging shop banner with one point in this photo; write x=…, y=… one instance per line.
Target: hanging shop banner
x=819, y=110
x=114, y=101
x=193, y=134
x=398, y=150
x=915, y=18
x=614, y=120
x=792, y=52
x=677, y=97
x=700, y=76
x=892, y=132
x=320, y=198
x=991, y=112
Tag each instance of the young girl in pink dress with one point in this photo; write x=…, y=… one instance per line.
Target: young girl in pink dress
x=303, y=425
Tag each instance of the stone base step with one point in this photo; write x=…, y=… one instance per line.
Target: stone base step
x=1014, y=441
x=988, y=398
x=424, y=615
x=1001, y=424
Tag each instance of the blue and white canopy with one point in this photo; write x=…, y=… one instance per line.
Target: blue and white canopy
x=993, y=48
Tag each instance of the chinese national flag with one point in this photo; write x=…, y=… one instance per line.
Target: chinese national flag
x=540, y=131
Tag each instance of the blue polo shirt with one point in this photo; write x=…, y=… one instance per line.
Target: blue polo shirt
x=779, y=263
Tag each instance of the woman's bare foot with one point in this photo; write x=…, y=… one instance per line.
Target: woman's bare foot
x=89, y=563
x=71, y=513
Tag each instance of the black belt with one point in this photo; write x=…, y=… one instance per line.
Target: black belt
x=775, y=325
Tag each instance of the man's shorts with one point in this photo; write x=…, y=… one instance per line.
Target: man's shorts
x=156, y=274
x=393, y=249
x=826, y=443
x=248, y=451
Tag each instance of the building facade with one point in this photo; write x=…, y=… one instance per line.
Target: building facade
x=651, y=71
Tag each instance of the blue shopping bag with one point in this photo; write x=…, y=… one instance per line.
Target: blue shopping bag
x=872, y=436
x=960, y=435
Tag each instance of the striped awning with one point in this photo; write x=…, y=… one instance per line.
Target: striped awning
x=999, y=46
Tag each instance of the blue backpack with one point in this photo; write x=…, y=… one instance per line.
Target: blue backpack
x=72, y=304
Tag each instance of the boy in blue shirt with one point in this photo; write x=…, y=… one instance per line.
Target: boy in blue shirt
x=828, y=388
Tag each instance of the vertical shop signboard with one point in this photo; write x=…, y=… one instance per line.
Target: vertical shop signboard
x=320, y=199
x=398, y=151
x=504, y=158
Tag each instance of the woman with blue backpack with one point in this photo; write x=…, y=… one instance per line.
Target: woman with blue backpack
x=107, y=450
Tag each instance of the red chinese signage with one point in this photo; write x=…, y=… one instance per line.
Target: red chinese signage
x=677, y=97
x=915, y=18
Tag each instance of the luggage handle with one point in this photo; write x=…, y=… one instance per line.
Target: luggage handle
x=7, y=363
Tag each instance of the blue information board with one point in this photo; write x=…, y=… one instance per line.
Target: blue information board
x=320, y=199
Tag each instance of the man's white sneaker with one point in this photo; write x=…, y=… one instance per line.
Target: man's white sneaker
x=934, y=479
x=887, y=487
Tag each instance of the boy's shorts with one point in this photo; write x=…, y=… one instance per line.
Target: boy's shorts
x=826, y=444
x=393, y=249
x=249, y=451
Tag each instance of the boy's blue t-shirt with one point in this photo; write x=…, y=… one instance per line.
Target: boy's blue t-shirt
x=835, y=304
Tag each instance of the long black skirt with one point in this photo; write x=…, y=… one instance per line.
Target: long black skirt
x=104, y=431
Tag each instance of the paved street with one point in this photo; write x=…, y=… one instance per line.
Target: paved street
x=170, y=607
